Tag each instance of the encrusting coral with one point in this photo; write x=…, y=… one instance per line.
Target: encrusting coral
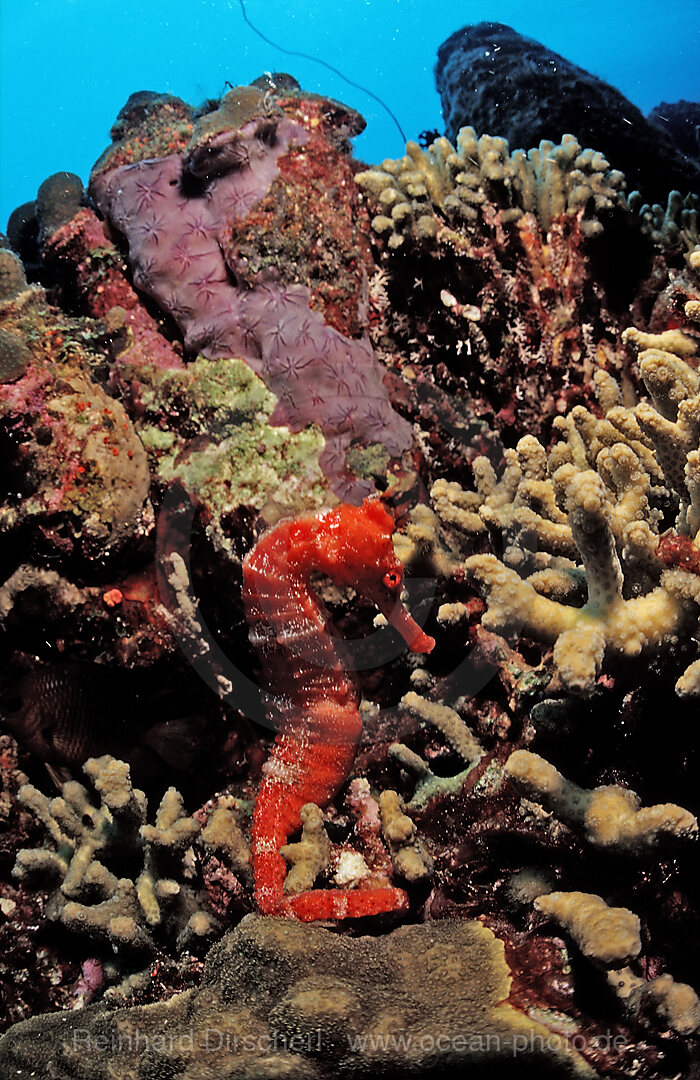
x=190, y=254
x=83, y=470
x=284, y=999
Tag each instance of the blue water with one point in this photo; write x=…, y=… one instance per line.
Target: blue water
x=67, y=66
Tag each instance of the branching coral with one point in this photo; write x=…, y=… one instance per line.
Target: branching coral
x=465, y=182
x=308, y=857
x=676, y=1004
x=504, y=291
x=124, y=912
x=607, y=620
x=673, y=227
x=607, y=934
x=611, y=817
x=457, y=734
x=408, y=854
x=594, y=506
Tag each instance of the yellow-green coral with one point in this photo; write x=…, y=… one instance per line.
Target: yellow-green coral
x=460, y=738
x=607, y=934
x=440, y=191
x=273, y=979
x=610, y=816
x=239, y=457
x=222, y=833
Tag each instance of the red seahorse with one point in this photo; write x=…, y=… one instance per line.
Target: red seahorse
x=313, y=700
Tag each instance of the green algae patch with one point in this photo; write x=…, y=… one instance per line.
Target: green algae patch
x=207, y=427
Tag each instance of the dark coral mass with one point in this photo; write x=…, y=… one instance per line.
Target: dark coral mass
x=493, y=79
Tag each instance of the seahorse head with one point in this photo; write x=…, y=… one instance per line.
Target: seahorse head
x=355, y=548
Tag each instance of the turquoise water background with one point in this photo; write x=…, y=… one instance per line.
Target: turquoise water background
x=68, y=66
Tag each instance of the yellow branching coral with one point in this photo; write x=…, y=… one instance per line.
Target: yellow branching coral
x=607, y=621
x=592, y=509
x=90, y=897
x=607, y=934
x=415, y=195
x=308, y=857
x=408, y=854
x=610, y=817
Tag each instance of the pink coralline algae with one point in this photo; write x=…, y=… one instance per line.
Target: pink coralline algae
x=180, y=214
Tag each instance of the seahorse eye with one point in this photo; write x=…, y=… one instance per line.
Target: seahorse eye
x=392, y=579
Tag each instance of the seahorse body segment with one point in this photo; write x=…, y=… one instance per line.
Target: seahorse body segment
x=312, y=698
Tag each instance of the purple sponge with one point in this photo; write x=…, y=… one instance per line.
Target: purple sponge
x=177, y=214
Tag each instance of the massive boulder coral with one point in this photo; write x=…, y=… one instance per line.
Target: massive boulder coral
x=297, y=1001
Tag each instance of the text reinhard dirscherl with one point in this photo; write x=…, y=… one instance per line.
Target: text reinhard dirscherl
x=217, y=1041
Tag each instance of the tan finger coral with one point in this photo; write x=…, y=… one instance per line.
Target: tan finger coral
x=609, y=816
x=612, y=480
x=609, y=935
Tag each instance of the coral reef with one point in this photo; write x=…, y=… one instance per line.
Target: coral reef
x=81, y=469
x=232, y=329
x=460, y=182
x=548, y=95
